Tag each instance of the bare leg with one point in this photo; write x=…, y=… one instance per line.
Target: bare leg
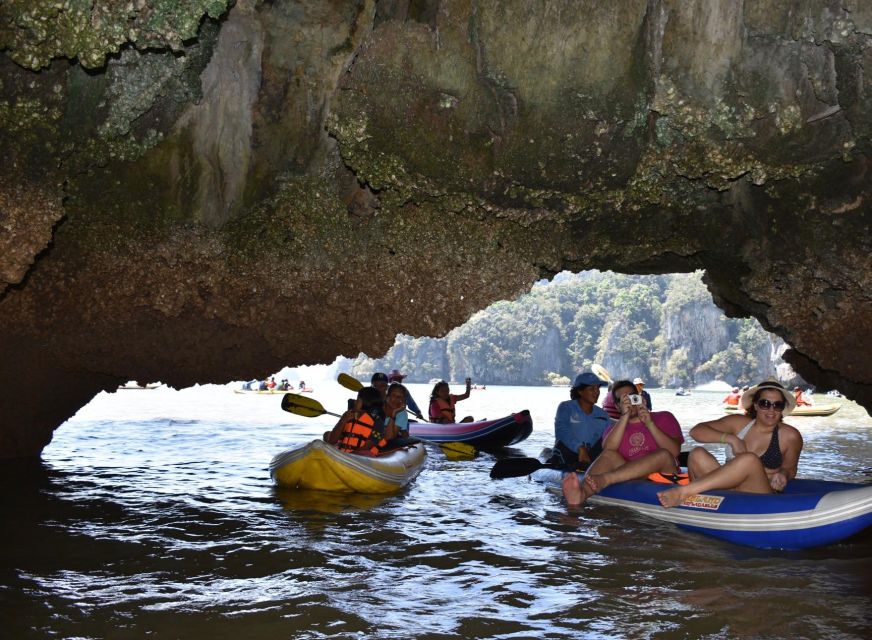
x=745, y=472
x=660, y=460
x=577, y=492
x=700, y=463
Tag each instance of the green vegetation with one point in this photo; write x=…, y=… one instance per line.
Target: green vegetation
x=664, y=328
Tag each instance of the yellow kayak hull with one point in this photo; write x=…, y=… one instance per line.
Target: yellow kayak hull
x=322, y=467
x=805, y=410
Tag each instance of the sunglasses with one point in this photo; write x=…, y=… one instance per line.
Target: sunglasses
x=764, y=404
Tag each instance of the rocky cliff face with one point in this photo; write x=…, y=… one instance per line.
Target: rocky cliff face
x=200, y=192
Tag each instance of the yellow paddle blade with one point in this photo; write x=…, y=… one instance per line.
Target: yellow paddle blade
x=601, y=373
x=457, y=450
x=302, y=405
x=352, y=384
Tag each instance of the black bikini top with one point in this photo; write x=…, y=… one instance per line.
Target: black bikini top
x=772, y=458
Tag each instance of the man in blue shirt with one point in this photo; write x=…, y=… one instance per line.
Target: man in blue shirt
x=579, y=423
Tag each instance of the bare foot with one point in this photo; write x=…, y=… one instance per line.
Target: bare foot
x=572, y=489
x=596, y=483
x=671, y=497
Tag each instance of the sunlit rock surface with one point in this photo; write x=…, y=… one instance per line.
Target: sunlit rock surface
x=197, y=194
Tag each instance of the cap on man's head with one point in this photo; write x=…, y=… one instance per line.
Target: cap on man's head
x=395, y=375
x=378, y=377
x=638, y=381
x=588, y=379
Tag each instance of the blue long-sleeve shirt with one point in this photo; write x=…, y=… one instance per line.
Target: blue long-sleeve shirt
x=574, y=428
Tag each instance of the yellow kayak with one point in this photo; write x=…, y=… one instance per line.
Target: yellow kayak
x=805, y=410
x=321, y=466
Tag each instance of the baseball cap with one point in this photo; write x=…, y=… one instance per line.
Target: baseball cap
x=588, y=379
x=638, y=381
x=378, y=377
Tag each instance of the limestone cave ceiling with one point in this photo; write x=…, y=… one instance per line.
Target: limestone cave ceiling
x=202, y=190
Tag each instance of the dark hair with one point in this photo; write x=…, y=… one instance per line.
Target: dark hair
x=575, y=392
x=434, y=395
x=620, y=384
x=396, y=385
x=371, y=400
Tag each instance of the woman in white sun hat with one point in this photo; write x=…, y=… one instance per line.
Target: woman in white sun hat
x=762, y=451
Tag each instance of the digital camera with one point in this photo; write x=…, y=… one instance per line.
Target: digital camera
x=635, y=398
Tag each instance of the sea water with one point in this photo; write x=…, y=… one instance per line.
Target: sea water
x=152, y=515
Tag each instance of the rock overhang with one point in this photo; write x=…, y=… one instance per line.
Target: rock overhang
x=414, y=170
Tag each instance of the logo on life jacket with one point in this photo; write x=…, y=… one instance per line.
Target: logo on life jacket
x=360, y=434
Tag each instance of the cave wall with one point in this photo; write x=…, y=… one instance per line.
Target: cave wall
x=200, y=191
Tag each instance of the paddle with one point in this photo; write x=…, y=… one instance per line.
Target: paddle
x=311, y=408
x=353, y=384
x=519, y=467
x=601, y=373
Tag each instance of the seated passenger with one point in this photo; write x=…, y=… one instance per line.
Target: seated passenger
x=640, y=389
x=762, y=455
x=640, y=443
x=442, y=402
x=732, y=398
x=364, y=429
x=579, y=424
x=396, y=376
x=609, y=405
x=802, y=399
x=395, y=408
x=380, y=381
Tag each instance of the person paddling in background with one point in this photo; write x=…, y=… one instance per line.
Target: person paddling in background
x=640, y=443
x=442, y=402
x=365, y=429
x=762, y=454
x=579, y=424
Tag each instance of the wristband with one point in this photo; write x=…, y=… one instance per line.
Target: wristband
x=723, y=438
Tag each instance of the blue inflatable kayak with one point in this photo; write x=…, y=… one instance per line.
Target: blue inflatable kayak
x=809, y=513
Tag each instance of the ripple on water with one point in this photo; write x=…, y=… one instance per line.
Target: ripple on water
x=160, y=521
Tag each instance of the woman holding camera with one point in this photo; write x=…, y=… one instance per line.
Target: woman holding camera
x=762, y=451
x=640, y=443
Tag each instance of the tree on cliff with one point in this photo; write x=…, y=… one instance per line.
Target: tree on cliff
x=665, y=329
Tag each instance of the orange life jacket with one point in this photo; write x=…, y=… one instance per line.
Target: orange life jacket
x=670, y=478
x=360, y=434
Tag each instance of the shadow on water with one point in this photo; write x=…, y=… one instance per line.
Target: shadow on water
x=326, y=502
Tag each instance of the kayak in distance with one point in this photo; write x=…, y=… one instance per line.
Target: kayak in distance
x=320, y=466
x=805, y=410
